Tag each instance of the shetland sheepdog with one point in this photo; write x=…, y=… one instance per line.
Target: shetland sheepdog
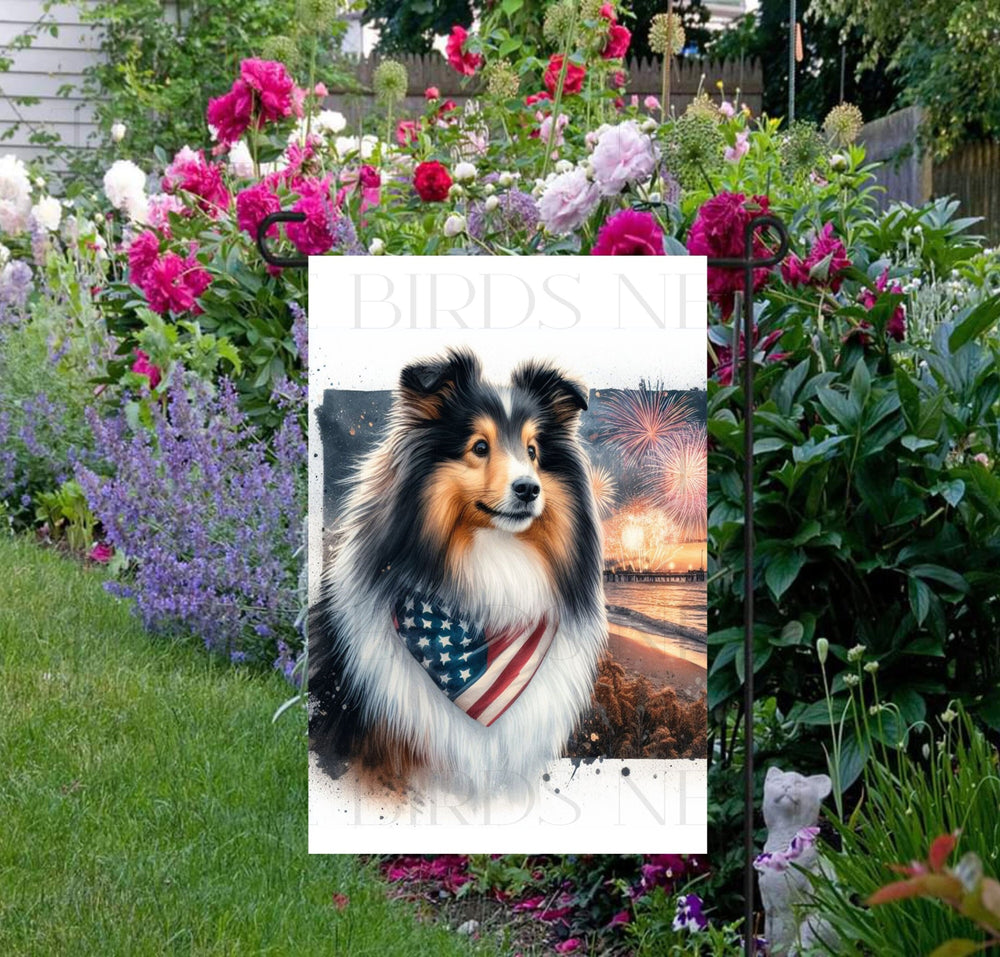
x=461, y=615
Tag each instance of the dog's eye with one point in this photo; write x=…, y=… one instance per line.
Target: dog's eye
x=481, y=448
x=532, y=453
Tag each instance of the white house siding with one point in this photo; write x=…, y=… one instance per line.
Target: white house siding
x=50, y=63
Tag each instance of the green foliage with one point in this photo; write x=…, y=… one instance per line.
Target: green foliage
x=763, y=36
x=948, y=783
x=652, y=932
x=67, y=516
x=941, y=54
x=410, y=26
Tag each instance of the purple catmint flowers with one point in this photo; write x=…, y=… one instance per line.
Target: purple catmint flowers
x=209, y=515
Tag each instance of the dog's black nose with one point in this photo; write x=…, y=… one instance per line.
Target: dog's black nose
x=526, y=489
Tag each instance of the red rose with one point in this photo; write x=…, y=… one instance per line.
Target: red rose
x=574, y=75
x=619, y=38
x=431, y=181
x=536, y=98
x=464, y=63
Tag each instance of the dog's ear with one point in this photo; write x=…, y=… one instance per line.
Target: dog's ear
x=426, y=383
x=565, y=397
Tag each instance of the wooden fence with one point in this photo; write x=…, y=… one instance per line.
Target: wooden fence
x=644, y=79
x=971, y=173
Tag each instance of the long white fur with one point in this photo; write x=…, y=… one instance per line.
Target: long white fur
x=504, y=584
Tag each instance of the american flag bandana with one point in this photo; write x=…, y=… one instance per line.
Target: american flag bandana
x=482, y=672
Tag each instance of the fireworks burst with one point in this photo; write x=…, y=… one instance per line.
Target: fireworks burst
x=640, y=538
x=605, y=487
x=679, y=480
x=641, y=421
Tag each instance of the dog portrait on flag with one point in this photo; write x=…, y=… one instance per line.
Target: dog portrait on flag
x=507, y=567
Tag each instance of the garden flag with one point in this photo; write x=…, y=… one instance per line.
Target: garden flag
x=508, y=554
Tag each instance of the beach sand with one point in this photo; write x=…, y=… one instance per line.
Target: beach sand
x=647, y=654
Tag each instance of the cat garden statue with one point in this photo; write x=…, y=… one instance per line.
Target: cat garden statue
x=791, y=809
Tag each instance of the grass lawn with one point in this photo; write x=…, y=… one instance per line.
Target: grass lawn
x=147, y=803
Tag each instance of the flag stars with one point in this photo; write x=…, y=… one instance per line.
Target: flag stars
x=445, y=657
x=423, y=642
x=466, y=656
x=408, y=605
x=426, y=662
x=465, y=674
x=446, y=625
x=408, y=622
x=466, y=641
x=427, y=624
x=427, y=610
x=463, y=625
x=444, y=641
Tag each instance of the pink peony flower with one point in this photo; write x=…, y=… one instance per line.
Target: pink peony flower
x=574, y=76
x=651, y=103
x=173, y=284
x=464, y=63
x=101, y=552
x=726, y=365
x=158, y=210
x=315, y=236
x=735, y=153
x=619, y=38
x=568, y=200
x=273, y=86
x=822, y=267
x=407, y=132
x=189, y=172
x=545, y=129
x=252, y=205
x=629, y=233
x=142, y=253
x=432, y=93
x=569, y=946
x=896, y=326
x=727, y=109
x=608, y=12
x=622, y=917
x=142, y=366
x=624, y=156
x=718, y=231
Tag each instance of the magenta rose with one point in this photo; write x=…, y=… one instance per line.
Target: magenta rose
x=314, y=236
x=252, y=205
x=619, y=38
x=464, y=63
x=718, y=231
x=231, y=114
x=274, y=87
x=143, y=252
x=629, y=233
x=173, y=284
x=191, y=173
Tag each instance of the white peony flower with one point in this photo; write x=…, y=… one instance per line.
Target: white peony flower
x=506, y=179
x=125, y=187
x=377, y=247
x=118, y=131
x=47, y=212
x=492, y=202
x=4, y=255
x=15, y=194
x=240, y=160
x=567, y=200
x=454, y=225
x=465, y=172
x=329, y=121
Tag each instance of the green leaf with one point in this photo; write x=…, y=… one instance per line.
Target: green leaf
x=945, y=576
x=975, y=323
x=782, y=571
x=861, y=384
x=915, y=444
x=920, y=599
x=791, y=634
x=956, y=947
x=509, y=46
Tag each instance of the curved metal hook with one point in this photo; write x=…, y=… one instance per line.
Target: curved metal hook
x=287, y=262
x=764, y=220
